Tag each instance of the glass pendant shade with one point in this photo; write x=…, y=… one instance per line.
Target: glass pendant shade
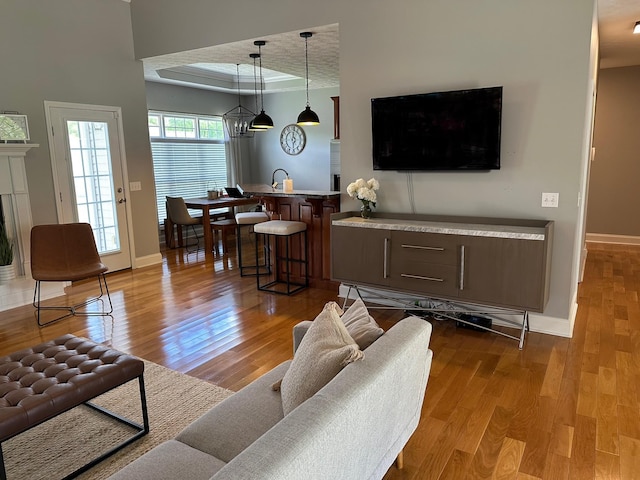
x=308, y=117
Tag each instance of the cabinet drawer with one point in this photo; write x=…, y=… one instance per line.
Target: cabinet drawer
x=424, y=247
x=427, y=278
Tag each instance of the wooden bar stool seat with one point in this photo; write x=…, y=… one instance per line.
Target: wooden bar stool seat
x=224, y=227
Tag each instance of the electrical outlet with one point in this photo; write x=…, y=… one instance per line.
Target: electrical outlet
x=135, y=186
x=550, y=200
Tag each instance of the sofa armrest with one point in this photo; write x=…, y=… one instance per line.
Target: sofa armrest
x=299, y=331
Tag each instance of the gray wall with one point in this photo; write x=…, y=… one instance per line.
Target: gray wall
x=77, y=51
x=545, y=63
x=614, y=195
x=81, y=51
x=310, y=168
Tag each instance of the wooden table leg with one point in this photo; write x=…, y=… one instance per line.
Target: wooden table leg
x=206, y=230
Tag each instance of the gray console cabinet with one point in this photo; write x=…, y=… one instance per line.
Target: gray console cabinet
x=489, y=261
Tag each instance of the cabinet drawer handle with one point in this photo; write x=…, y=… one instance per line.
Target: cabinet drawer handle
x=420, y=277
x=461, y=267
x=385, y=266
x=419, y=247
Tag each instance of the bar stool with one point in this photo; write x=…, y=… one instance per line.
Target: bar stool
x=280, y=279
x=249, y=219
x=224, y=226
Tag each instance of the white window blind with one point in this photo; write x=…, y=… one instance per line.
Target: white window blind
x=187, y=169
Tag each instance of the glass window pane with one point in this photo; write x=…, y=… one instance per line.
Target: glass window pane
x=93, y=184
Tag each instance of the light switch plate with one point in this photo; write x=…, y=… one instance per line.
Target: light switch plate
x=135, y=186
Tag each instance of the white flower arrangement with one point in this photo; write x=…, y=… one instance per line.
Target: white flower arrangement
x=365, y=191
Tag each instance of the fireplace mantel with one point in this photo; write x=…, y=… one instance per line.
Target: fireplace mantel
x=14, y=194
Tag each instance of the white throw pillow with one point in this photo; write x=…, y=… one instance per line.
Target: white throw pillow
x=360, y=325
x=325, y=349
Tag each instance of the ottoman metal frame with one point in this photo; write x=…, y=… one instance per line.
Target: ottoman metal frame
x=77, y=400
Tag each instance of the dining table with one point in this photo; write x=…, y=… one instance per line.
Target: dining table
x=205, y=205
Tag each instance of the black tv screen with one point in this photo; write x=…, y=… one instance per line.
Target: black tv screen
x=457, y=130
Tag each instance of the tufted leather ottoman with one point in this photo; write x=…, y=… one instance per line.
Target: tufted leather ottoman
x=40, y=382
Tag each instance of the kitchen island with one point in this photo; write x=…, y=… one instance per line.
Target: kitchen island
x=311, y=207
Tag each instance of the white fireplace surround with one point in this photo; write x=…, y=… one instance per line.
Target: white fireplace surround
x=16, y=205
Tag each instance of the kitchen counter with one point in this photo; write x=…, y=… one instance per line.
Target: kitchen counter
x=258, y=189
x=312, y=207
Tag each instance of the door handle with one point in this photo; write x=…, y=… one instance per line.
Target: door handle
x=122, y=200
x=385, y=260
x=462, y=260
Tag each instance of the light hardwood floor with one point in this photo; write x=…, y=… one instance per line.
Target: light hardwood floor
x=559, y=409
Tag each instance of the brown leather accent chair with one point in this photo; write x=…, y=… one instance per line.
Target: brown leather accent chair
x=66, y=253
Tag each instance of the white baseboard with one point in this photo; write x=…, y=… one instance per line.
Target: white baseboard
x=561, y=327
x=610, y=238
x=154, y=259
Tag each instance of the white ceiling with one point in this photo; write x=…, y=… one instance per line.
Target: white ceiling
x=214, y=68
x=619, y=47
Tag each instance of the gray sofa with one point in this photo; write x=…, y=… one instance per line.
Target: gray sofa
x=353, y=428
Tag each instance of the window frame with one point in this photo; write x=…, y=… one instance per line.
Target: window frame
x=219, y=139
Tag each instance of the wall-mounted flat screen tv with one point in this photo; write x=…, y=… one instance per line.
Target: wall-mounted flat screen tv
x=457, y=130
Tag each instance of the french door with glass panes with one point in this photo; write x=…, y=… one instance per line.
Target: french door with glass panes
x=89, y=170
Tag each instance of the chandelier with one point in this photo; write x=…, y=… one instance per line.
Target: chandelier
x=238, y=119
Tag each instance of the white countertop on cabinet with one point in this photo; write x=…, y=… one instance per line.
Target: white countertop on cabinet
x=448, y=228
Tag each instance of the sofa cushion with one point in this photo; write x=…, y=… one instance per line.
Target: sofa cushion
x=235, y=423
x=168, y=461
x=324, y=351
x=360, y=325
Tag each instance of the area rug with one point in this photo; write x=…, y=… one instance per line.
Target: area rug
x=61, y=445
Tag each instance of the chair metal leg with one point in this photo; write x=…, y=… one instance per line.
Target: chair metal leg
x=73, y=310
x=197, y=244
x=283, y=264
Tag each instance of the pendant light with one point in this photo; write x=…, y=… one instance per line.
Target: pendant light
x=252, y=127
x=237, y=119
x=262, y=120
x=307, y=116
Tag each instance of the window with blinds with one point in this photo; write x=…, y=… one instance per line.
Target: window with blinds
x=189, y=156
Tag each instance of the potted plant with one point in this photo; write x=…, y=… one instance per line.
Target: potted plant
x=7, y=271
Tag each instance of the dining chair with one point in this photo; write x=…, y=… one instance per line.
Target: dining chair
x=66, y=253
x=179, y=215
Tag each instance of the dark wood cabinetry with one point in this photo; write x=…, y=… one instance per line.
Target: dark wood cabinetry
x=358, y=254
x=496, y=262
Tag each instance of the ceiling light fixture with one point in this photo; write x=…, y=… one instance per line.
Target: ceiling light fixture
x=636, y=29
x=307, y=116
x=252, y=127
x=237, y=119
x=262, y=120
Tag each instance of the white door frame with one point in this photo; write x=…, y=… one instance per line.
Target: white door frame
x=117, y=112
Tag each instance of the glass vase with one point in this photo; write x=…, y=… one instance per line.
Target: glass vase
x=365, y=211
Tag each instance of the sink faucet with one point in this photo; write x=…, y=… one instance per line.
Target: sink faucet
x=274, y=184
